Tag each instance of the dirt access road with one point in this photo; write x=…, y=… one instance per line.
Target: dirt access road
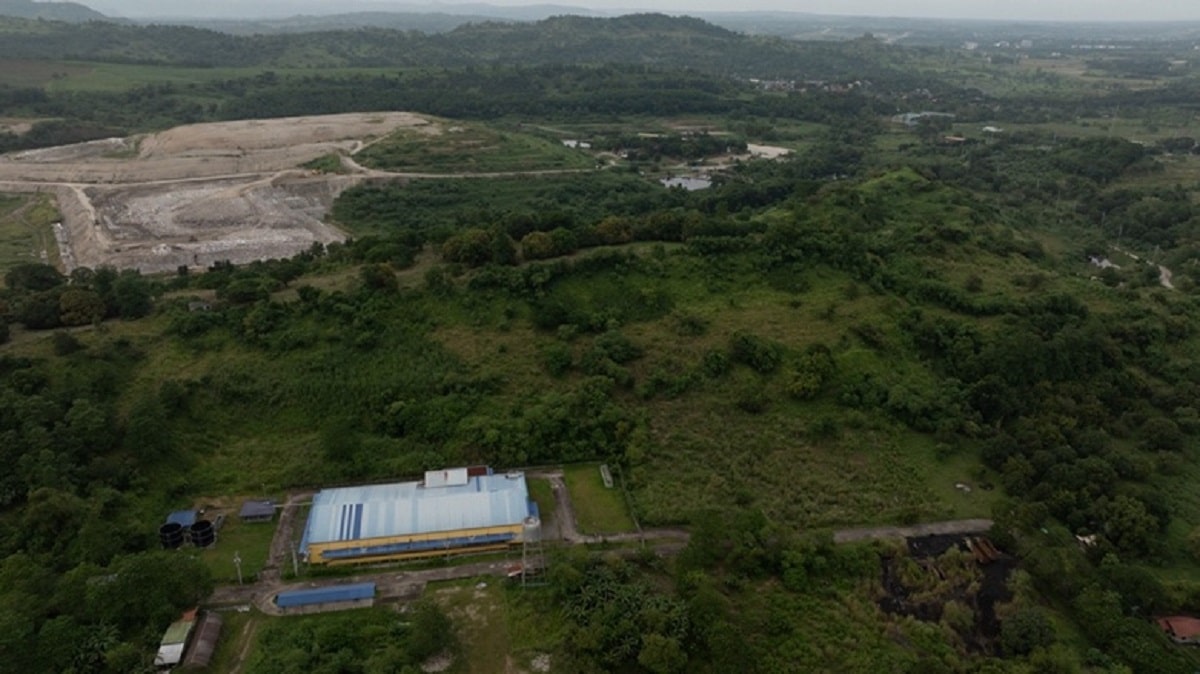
x=950, y=527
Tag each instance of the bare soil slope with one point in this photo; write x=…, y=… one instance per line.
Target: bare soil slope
x=197, y=194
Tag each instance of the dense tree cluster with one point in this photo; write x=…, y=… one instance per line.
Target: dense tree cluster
x=40, y=298
x=356, y=642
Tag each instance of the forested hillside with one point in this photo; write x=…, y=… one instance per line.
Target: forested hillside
x=643, y=39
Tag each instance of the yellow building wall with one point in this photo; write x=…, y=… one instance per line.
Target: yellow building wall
x=316, y=551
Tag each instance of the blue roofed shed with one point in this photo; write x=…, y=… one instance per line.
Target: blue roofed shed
x=326, y=598
x=257, y=511
x=184, y=518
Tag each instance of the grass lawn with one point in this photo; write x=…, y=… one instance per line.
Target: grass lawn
x=542, y=494
x=471, y=148
x=500, y=628
x=959, y=465
x=598, y=509
x=252, y=542
x=21, y=73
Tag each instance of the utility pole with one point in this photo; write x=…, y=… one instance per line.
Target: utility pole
x=237, y=561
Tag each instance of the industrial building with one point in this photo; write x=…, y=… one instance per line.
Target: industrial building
x=451, y=511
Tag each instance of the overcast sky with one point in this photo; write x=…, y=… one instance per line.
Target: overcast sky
x=1059, y=10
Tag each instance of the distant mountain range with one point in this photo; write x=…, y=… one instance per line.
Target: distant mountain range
x=653, y=40
x=54, y=11
x=266, y=17
x=270, y=10
x=433, y=22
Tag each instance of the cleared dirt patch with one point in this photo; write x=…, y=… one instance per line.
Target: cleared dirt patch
x=198, y=194
x=16, y=125
x=157, y=227
x=262, y=134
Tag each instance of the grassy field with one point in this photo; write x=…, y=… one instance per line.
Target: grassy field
x=471, y=148
x=500, y=628
x=703, y=451
x=25, y=231
x=251, y=542
x=20, y=73
x=598, y=509
x=543, y=494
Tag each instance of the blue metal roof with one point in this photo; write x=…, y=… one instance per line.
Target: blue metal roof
x=184, y=518
x=407, y=508
x=325, y=595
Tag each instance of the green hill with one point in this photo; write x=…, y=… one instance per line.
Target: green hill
x=72, y=12
x=767, y=360
x=640, y=39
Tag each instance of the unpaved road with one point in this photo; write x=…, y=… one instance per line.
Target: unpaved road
x=1164, y=275
x=285, y=535
x=928, y=529
x=565, y=523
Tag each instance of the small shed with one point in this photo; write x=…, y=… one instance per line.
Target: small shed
x=332, y=598
x=199, y=655
x=184, y=518
x=170, y=650
x=257, y=511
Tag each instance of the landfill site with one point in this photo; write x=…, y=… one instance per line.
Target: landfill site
x=199, y=194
